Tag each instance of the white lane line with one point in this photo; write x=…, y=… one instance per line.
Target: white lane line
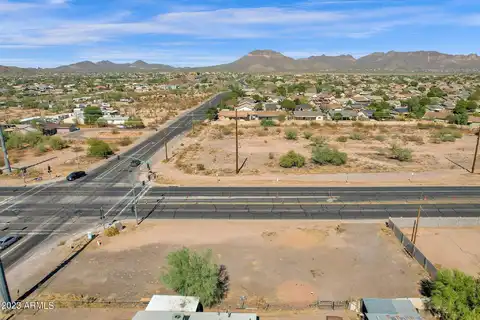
x=239, y=197
x=6, y=200
x=105, y=173
x=24, y=239
x=25, y=198
x=116, y=204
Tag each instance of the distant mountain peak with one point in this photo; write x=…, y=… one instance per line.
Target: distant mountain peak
x=105, y=62
x=139, y=63
x=265, y=53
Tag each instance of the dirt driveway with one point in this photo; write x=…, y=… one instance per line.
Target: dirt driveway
x=283, y=263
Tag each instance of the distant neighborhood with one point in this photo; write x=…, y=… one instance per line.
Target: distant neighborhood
x=449, y=99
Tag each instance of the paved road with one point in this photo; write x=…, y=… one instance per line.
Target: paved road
x=38, y=213
x=47, y=211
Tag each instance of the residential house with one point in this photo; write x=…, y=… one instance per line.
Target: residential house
x=365, y=114
x=331, y=106
x=29, y=120
x=361, y=100
x=400, y=111
x=473, y=122
x=275, y=99
x=437, y=116
x=268, y=115
x=114, y=120
x=380, y=309
x=271, y=107
x=303, y=107
x=309, y=115
x=245, y=108
x=248, y=102
x=345, y=114
x=228, y=114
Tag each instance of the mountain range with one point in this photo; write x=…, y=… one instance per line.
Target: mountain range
x=272, y=61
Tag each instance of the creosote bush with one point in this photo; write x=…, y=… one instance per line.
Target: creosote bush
x=292, y=159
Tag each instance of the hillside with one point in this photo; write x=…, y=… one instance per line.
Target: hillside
x=272, y=61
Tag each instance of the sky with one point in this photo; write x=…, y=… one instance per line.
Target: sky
x=48, y=33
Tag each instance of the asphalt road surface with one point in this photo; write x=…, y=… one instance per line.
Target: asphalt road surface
x=45, y=212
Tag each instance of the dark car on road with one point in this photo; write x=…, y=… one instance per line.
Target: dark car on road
x=135, y=163
x=7, y=241
x=76, y=175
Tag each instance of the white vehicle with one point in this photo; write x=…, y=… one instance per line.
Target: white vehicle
x=7, y=241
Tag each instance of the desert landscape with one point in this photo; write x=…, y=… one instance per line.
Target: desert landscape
x=406, y=149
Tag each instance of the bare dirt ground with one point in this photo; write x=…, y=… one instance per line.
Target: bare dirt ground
x=454, y=247
x=208, y=154
x=127, y=314
x=284, y=264
x=20, y=113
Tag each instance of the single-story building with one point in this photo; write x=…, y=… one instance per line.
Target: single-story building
x=303, y=107
x=244, y=108
x=271, y=107
x=309, y=115
x=115, y=120
x=228, y=114
x=269, y=115
x=168, y=315
x=384, y=309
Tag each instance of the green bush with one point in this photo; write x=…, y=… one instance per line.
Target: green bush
x=267, y=123
x=98, y=148
x=111, y=231
x=292, y=159
x=32, y=138
x=291, y=134
x=194, y=274
x=319, y=141
x=342, y=139
x=401, y=154
x=307, y=134
x=14, y=141
x=282, y=118
x=453, y=295
x=125, y=141
x=325, y=155
x=380, y=138
x=57, y=143
x=40, y=148
x=356, y=136
x=446, y=135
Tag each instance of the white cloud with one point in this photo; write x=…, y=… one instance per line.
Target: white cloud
x=58, y=2
x=7, y=6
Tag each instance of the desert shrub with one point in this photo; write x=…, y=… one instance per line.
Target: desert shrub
x=227, y=131
x=57, y=143
x=267, y=123
x=401, y=154
x=291, y=134
x=342, y=139
x=380, y=137
x=314, y=124
x=278, y=130
x=114, y=147
x=115, y=131
x=125, y=141
x=40, y=148
x=32, y=138
x=446, y=135
x=325, y=155
x=194, y=274
x=356, y=136
x=111, y=231
x=282, y=118
x=271, y=155
x=307, y=134
x=318, y=141
x=358, y=124
x=98, y=148
x=14, y=140
x=262, y=133
x=292, y=159
x=413, y=138
x=200, y=166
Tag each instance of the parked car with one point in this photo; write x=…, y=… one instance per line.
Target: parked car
x=76, y=175
x=7, y=241
x=135, y=163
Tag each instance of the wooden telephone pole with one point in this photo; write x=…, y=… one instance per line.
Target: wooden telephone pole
x=414, y=234
x=236, y=140
x=476, y=151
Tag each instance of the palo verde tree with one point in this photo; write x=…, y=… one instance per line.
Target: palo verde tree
x=91, y=114
x=453, y=295
x=190, y=273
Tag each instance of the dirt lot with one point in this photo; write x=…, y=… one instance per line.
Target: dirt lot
x=277, y=262
x=210, y=151
x=452, y=247
x=11, y=113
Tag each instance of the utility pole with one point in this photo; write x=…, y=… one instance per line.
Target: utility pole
x=5, y=292
x=5, y=153
x=236, y=139
x=166, y=151
x=476, y=151
x=416, y=224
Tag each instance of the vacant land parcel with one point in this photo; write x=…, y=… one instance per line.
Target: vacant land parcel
x=208, y=153
x=276, y=262
x=450, y=247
